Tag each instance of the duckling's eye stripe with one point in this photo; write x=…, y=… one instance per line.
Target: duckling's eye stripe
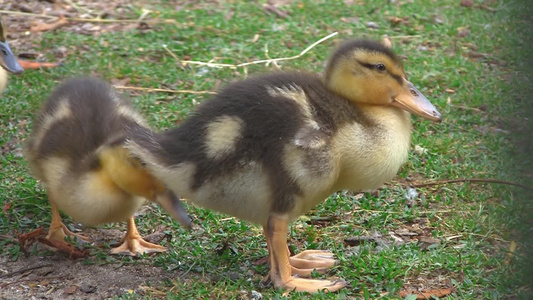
x=366, y=65
x=397, y=78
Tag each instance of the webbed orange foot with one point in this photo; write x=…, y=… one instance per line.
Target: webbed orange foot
x=133, y=244
x=311, y=285
x=303, y=264
x=136, y=246
x=284, y=271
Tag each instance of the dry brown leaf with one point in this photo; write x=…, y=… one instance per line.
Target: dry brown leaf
x=28, y=238
x=72, y=251
x=7, y=207
x=463, y=31
x=30, y=235
x=467, y=3
x=350, y=20
x=398, y=20
x=487, y=8
x=279, y=2
x=229, y=15
x=273, y=9
x=49, y=26
x=512, y=249
x=70, y=290
x=438, y=19
x=386, y=41
x=427, y=294
x=261, y=261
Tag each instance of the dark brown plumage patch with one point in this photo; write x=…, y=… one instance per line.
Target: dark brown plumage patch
x=270, y=123
x=93, y=122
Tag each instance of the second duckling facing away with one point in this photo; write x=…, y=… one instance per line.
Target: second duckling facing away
x=270, y=148
x=8, y=62
x=76, y=149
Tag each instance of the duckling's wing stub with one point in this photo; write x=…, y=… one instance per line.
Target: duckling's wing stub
x=310, y=138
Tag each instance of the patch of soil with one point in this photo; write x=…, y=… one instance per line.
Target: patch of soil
x=55, y=277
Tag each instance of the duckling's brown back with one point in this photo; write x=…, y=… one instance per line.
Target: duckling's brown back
x=80, y=116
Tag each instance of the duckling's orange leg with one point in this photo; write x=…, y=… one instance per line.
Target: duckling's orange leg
x=58, y=231
x=303, y=263
x=280, y=267
x=133, y=244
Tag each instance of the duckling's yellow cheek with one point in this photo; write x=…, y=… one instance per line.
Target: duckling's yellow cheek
x=222, y=135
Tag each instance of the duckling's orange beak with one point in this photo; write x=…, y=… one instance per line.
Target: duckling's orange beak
x=172, y=205
x=412, y=100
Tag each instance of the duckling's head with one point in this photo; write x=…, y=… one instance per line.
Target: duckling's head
x=7, y=59
x=367, y=72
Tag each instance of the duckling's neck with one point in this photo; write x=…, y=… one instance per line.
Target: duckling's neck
x=3, y=79
x=372, y=152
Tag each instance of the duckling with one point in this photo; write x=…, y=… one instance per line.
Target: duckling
x=76, y=149
x=8, y=62
x=270, y=148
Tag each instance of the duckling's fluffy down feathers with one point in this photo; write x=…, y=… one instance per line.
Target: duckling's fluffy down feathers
x=270, y=144
x=269, y=148
x=81, y=117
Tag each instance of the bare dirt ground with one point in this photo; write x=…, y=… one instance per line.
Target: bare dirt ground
x=55, y=277
x=43, y=274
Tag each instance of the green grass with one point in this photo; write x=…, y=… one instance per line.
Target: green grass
x=490, y=92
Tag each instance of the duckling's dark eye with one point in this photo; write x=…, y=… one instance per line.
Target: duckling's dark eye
x=380, y=67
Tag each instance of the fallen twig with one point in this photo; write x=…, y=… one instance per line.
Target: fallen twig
x=427, y=294
x=72, y=251
x=30, y=236
x=3, y=285
x=136, y=88
x=25, y=270
x=88, y=20
x=424, y=212
x=265, y=61
x=481, y=180
x=61, y=21
x=26, y=64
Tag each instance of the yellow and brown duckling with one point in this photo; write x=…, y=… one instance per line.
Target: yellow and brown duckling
x=270, y=148
x=77, y=150
x=8, y=62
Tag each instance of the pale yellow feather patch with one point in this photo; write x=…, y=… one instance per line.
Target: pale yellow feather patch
x=3, y=79
x=92, y=198
x=222, y=135
x=129, y=113
x=62, y=112
x=297, y=94
x=366, y=158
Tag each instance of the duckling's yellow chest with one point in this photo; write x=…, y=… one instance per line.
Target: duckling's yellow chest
x=370, y=155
